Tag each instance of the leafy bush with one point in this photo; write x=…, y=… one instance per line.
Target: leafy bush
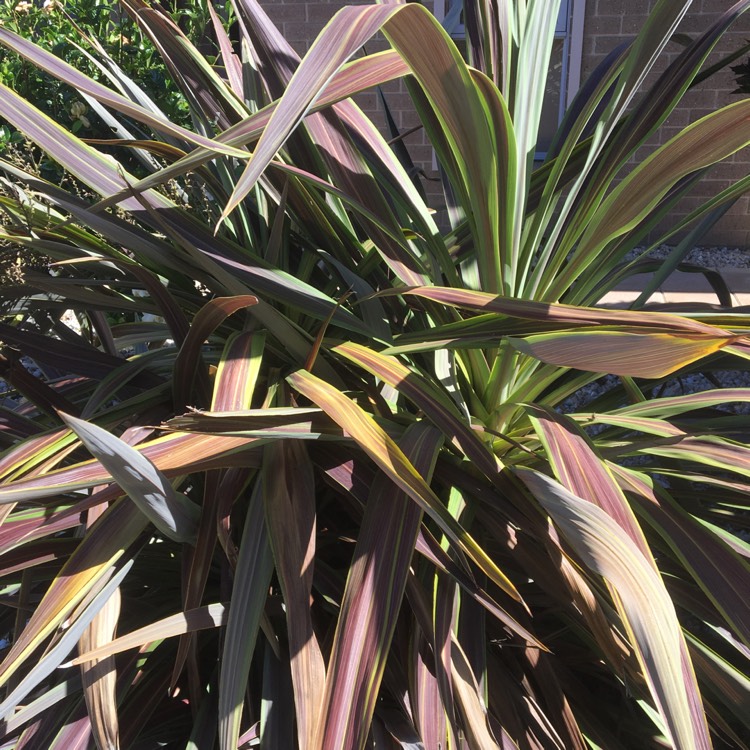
x=73, y=31
x=332, y=478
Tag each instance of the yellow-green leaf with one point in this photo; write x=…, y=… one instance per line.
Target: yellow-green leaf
x=638, y=354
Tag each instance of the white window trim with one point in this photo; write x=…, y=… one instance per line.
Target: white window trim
x=575, y=56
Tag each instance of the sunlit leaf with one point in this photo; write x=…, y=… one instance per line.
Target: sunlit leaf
x=391, y=460
x=372, y=600
x=606, y=549
x=64, y=645
x=210, y=616
x=637, y=354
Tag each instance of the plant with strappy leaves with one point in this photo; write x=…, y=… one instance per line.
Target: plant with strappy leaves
x=331, y=478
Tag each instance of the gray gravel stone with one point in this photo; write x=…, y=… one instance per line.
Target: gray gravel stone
x=710, y=257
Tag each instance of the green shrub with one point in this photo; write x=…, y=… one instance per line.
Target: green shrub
x=73, y=31
x=334, y=502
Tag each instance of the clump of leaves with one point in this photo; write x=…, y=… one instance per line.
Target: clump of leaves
x=333, y=502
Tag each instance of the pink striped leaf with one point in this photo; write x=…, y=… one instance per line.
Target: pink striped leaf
x=424, y=394
x=234, y=385
x=189, y=621
x=99, y=675
x=647, y=425
x=94, y=557
x=429, y=714
x=230, y=60
x=701, y=144
x=443, y=607
x=569, y=315
x=341, y=38
x=664, y=408
x=173, y=454
x=274, y=422
x=85, y=162
x=441, y=72
x=430, y=549
x=185, y=63
x=358, y=75
x=31, y=452
x=605, y=548
x=188, y=363
x=376, y=443
x=635, y=353
x=710, y=450
x=581, y=471
x=289, y=500
x=729, y=684
x=585, y=475
x=35, y=553
x=22, y=527
x=65, y=643
x=722, y=575
x=252, y=578
x=470, y=705
x=61, y=70
x=372, y=600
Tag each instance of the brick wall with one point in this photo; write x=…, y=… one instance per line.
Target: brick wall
x=608, y=23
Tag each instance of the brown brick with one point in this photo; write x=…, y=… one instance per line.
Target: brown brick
x=596, y=25
x=606, y=43
x=299, y=31
x=280, y=12
x=632, y=23
x=679, y=117
x=611, y=7
x=319, y=13
x=639, y=7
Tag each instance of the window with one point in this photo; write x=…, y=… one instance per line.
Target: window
x=565, y=64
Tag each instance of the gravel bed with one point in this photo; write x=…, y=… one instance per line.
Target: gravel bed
x=692, y=383
x=709, y=257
